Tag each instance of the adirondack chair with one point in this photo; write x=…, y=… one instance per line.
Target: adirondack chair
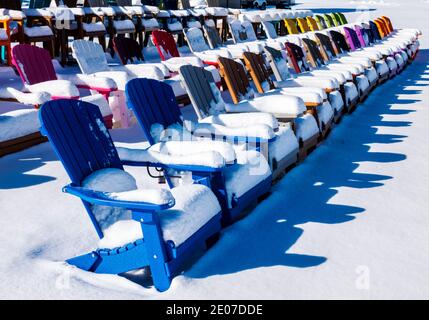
x=340, y=42
x=196, y=42
x=321, y=23
x=397, y=52
x=30, y=26
x=357, y=70
x=5, y=38
x=273, y=40
x=287, y=108
x=342, y=17
x=312, y=23
x=303, y=25
x=336, y=19
x=330, y=23
x=284, y=79
x=314, y=98
x=171, y=57
x=220, y=16
x=298, y=60
x=236, y=186
x=211, y=108
x=328, y=52
x=240, y=36
x=160, y=230
x=215, y=42
x=37, y=72
x=291, y=26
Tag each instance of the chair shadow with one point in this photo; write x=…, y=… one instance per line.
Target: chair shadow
x=304, y=195
x=23, y=162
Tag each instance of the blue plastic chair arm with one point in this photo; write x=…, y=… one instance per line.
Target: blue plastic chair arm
x=102, y=198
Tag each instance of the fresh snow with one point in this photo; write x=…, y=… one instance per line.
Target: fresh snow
x=348, y=222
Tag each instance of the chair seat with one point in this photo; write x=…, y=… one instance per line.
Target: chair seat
x=38, y=31
x=18, y=123
x=94, y=27
x=58, y=89
x=124, y=26
x=120, y=77
x=174, y=64
x=213, y=55
x=174, y=26
x=150, y=24
x=194, y=206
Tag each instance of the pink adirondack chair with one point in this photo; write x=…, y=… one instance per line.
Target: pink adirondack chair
x=38, y=74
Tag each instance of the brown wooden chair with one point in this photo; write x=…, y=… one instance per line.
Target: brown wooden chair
x=314, y=98
x=239, y=87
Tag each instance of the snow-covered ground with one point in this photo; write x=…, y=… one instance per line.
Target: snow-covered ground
x=350, y=222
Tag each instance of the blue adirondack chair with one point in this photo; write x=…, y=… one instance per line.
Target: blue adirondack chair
x=153, y=102
x=84, y=146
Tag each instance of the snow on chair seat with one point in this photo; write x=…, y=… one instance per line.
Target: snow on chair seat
x=211, y=109
x=38, y=31
x=315, y=98
x=96, y=162
x=160, y=118
x=19, y=129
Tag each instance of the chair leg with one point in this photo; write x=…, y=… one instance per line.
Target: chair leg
x=102, y=42
x=9, y=54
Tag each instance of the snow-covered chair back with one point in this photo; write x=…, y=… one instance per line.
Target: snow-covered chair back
x=257, y=68
x=340, y=41
x=153, y=103
x=250, y=32
x=79, y=137
x=352, y=38
x=90, y=56
x=269, y=29
x=362, y=36
x=291, y=26
x=312, y=23
x=302, y=24
x=128, y=50
x=321, y=23
x=202, y=90
x=34, y=64
x=212, y=35
x=165, y=44
x=277, y=63
x=196, y=41
x=326, y=44
x=314, y=54
x=297, y=57
x=238, y=32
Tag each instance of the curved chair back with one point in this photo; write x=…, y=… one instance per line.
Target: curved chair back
x=340, y=41
x=212, y=36
x=34, y=64
x=79, y=137
x=195, y=39
x=352, y=38
x=321, y=22
x=153, y=102
x=312, y=23
x=291, y=26
x=128, y=50
x=374, y=31
x=302, y=24
x=329, y=21
x=277, y=63
x=90, y=56
x=362, y=36
x=201, y=88
x=257, y=68
x=297, y=57
x=165, y=44
x=326, y=45
x=269, y=29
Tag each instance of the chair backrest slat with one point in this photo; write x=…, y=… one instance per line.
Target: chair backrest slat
x=165, y=44
x=200, y=84
x=314, y=55
x=128, y=50
x=34, y=64
x=77, y=132
x=195, y=39
x=260, y=75
x=212, y=36
x=153, y=102
x=235, y=77
x=90, y=56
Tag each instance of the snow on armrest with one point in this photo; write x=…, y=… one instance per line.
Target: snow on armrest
x=100, y=101
x=37, y=13
x=90, y=81
x=248, y=132
x=324, y=83
x=147, y=199
x=142, y=71
x=237, y=120
x=185, y=153
x=308, y=94
x=36, y=98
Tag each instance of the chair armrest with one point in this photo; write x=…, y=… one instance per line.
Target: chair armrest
x=100, y=84
x=36, y=99
x=105, y=199
x=196, y=162
x=38, y=13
